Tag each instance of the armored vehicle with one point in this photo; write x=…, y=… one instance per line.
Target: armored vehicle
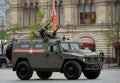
x=48, y=55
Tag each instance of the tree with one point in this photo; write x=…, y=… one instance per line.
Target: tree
x=2, y=39
x=12, y=30
x=2, y=36
x=5, y=35
x=39, y=22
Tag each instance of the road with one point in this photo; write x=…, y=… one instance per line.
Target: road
x=106, y=76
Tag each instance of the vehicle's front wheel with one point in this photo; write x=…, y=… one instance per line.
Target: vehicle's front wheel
x=91, y=74
x=24, y=71
x=72, y=70
x=44, y=74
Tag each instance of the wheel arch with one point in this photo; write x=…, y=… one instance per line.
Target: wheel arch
x=18, y=61
x=80, y=62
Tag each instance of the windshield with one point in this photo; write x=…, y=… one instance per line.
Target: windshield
x=74, y=46
x=87, y=52
x=70, y=46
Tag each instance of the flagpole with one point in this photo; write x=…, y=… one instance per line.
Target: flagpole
x=53, y=16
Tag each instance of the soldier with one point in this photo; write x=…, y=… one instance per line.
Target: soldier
x=101, y=55
x=42, y=31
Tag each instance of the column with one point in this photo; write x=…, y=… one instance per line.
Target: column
x=70, y=11
x=101, y=10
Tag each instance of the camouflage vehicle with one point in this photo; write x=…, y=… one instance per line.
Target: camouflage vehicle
x=48, y=55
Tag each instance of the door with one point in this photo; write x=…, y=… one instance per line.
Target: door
x=54, y=56
x=37, y=55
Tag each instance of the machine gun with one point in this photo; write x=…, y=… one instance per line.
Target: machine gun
x=44, y=34
x=43, y=30
x=54, y=33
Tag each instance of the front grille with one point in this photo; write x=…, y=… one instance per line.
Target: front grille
x=91, y=59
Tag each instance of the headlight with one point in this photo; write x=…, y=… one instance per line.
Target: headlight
x=99, y=59
x=84, y=59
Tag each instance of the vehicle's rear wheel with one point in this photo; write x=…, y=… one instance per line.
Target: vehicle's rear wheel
x=24, y=71
x=72, y=70
x=44, y=74
x=91, y=74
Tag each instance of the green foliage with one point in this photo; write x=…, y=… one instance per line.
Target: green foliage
x=34, y=27
x=39, y=17
x=31, y=36
x=3, y=36
x=6, y=34
x=14, y=28
x=39, y=23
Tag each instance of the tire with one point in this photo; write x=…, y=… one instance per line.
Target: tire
x=24, y=71
x=91, y=74
x=44, y=74
x=72, y=70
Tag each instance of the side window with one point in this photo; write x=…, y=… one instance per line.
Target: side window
x=52, y=48
x=38, y=45
x=24, y=45
x=65, y=46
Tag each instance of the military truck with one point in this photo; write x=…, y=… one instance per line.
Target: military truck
x=48, y=55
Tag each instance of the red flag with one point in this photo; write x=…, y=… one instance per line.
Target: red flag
x=53, y=16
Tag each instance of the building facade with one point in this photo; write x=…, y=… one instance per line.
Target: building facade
x=81, y=20
x=2, y=14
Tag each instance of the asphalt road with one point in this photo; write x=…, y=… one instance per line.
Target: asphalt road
x=106, y=76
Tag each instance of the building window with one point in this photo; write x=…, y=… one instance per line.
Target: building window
x=117, y=12
x=87, y=12
x=25, y=15
x=59, y=12
x=36, y=10
x=32, y=13
x=29, y=13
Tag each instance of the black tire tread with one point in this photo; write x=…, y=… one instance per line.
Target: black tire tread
x=44, y=74
x=78, y=70
x=29, y=71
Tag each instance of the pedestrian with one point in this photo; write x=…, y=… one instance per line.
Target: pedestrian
x=101, y=55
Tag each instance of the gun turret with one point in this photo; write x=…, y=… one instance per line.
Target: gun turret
x=54, y=33
x=42, y=31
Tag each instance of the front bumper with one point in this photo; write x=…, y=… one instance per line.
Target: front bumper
x=93, y=67
x=92, y=63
